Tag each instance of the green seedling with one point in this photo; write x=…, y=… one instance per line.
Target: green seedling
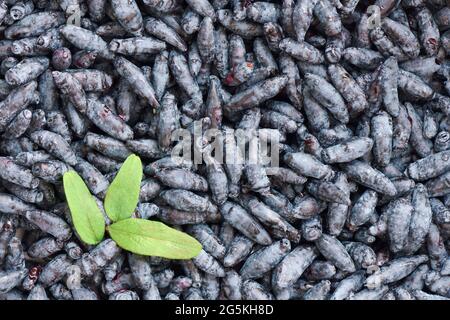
x=144, y=237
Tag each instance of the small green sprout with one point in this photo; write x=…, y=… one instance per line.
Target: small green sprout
x=145, y=237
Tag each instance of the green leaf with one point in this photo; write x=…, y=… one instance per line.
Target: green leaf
x=152, y=238
x=123, y=193
x=86, y=216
